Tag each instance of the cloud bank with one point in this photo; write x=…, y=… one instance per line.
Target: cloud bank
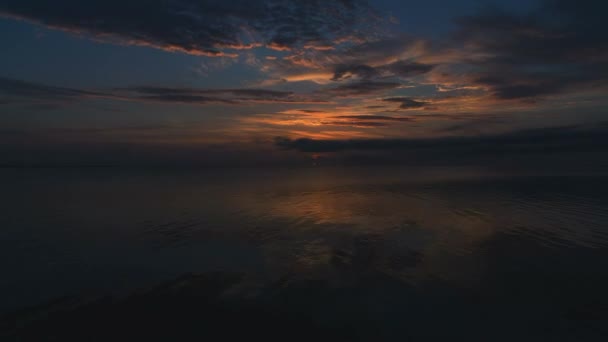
x=204, y=27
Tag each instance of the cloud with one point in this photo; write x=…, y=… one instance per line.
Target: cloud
x=373, y=118
x=187, y=99
x=560, y=47
x=12, y=88
x=381, y=55
x=492, y=56
x=543, y=140
x=204, y=27
x=355, y=123
x=346, y=71
x=17, y=91
x=407, y=69
x=44, y=97
x=245, y=93
x=364, y=121
x=222, y=96
x=556, y=48
x=406, y=102
x=312, y=145
x=362, y=88
x=403, y=69
x=385, y=50
x=307, y=111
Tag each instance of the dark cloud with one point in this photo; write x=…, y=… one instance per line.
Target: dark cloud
x=342, y=72
x=406, y=102
x=407, y=68
x=355, y=123
x=365, y=120
x=403, y=69
x=206, y=27
x=558, y=48
x=312, y=145
x=545, y=140
x=309, y=111
x=362, y=88
x=373, y=118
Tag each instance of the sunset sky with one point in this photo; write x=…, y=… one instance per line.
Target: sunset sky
x=282, y=81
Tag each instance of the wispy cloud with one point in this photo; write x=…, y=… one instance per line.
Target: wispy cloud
x=13, y=90
x=222, y=96
x=17, y=91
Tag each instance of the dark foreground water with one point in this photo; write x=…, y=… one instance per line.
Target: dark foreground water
x=337, y=254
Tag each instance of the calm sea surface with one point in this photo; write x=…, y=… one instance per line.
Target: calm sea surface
x=408, y=253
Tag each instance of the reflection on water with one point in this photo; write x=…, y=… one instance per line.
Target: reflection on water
x=406, y=253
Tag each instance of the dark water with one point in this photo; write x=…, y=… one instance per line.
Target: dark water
x=323, y=253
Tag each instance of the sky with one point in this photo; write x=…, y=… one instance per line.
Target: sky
x=283, y=81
